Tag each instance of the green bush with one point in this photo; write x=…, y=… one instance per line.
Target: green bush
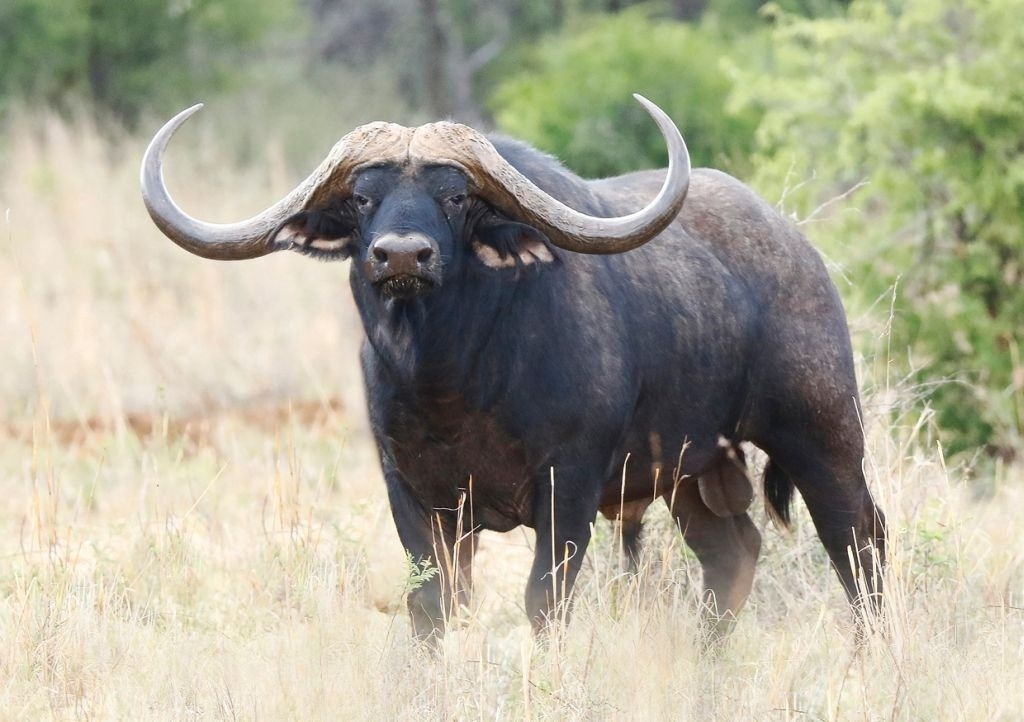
x=926, y=105
x=126, y=55
x=574, y=96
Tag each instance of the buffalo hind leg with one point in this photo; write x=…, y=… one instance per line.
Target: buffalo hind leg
x=727, y=548
x=851, y=527
x=629, y=517
x=853, y=533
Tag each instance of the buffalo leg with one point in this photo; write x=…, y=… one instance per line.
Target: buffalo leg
x=630, y=518
x=851, y=528
x=806, y=417
x=443, y=554
x=727, y=548
x=631, y=529
x=563, y=514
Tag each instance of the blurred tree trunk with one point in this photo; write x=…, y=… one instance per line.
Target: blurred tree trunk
x=450, y=68
x=438, y=97
x=464, y=69
x=688, y=9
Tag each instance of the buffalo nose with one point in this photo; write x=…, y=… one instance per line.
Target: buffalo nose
x=403, y=253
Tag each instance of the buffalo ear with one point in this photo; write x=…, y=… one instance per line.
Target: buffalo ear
x=506, y=244
x=319, y=233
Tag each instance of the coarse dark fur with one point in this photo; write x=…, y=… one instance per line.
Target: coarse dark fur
x=523, y=386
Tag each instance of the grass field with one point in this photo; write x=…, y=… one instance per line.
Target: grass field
x=193, y=525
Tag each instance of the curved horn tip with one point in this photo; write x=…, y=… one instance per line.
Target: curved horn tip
x=185, y=114
x=653, y=109
x=159, y=142
x=221, y=241
x=644, y=101
x=669, y=131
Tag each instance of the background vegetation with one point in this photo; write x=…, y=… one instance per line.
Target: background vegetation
x=192, y=520
x=898, y=121
x=920, y=111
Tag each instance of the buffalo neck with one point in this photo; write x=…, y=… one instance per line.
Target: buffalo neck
x=458, y=339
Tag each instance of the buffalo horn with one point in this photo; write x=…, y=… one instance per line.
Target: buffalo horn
x=445, y=143
x=567, y=228
x=373, y=143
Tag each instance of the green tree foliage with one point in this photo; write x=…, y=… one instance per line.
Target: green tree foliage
x=743, y=15
x=125, y=55
x=925, y=102
x=574, y=95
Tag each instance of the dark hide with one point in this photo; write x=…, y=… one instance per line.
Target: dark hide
x=491, y=379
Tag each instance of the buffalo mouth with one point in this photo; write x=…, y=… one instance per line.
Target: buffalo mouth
x=404, y=286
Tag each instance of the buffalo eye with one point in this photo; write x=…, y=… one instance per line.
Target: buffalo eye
x=362, y=202
x=456, y=201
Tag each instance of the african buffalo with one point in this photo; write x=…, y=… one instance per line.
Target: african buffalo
x=527, y=331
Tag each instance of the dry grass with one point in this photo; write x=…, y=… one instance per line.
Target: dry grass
x=192, y=523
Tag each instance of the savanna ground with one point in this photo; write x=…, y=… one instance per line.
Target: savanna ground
x=193, y=525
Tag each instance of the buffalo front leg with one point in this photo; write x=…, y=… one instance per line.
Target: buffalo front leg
x=441, y=552
x=564, y=510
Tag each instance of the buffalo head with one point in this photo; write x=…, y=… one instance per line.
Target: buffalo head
x=412, y=206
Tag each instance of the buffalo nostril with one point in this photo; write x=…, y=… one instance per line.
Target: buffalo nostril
x=402, y=253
